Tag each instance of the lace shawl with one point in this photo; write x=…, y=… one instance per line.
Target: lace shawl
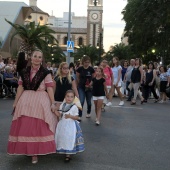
x=37, y=79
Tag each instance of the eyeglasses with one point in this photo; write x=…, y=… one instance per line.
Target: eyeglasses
x=65, y=68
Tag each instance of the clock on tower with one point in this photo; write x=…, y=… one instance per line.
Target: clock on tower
x=94, y=21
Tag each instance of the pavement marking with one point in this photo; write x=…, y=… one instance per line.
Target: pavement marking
x=128, y=107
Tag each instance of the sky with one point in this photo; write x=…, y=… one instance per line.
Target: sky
x=112, y=18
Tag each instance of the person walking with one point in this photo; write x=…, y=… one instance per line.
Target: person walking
x=124, y=69
x=117, y=79
x=99, y=92
x=127, y=79
x=84, y=75
x=164, y=83
x=33, y=125
x=149, y=83
x=68, y=137
x=137, y=80
x=63, y=82
x=108, y=74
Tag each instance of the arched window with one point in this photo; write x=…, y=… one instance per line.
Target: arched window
x=65, y=40
x=80, y=41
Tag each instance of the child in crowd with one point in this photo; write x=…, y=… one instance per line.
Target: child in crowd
x=99, y=91
x=68, y=137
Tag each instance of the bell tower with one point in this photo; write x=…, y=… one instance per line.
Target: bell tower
x=94, y=21
x=33, y=2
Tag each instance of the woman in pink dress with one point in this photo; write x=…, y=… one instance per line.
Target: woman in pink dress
x=33, y=125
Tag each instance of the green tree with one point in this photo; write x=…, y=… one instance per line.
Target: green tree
x=33, y=35
x=121, y=51
x=148, y=26
x=93, y=52
x=55, y=54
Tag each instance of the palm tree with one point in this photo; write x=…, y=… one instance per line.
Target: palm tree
x=33, y=36
x=89, y=50
x=122, y=51
x=55, y=54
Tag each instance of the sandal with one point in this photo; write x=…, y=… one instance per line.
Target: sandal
x=34, y=159
x=133, y=103
x=67, y=159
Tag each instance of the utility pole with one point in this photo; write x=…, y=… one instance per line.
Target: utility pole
x=69, y=29
x=100, y=45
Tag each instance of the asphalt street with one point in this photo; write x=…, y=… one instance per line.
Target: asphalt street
x=129, y=138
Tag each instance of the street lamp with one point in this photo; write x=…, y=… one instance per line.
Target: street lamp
x=153, y=50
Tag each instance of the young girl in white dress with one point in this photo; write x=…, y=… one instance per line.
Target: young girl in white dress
x=68, y=137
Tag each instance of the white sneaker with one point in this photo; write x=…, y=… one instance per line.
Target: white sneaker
x=161, y=101
x=109, y=104
x=97, y=122
x=88, y=115
x=121, y=103
x=79, y=119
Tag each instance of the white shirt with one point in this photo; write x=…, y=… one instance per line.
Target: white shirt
x=1, y=65
x=115, y=71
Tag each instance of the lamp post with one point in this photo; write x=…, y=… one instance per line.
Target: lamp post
x=69, y=29
x=99, y=46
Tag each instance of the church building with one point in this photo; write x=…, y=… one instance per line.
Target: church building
x=85, y=30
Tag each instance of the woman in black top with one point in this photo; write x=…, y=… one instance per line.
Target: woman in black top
x=136, y=79
x=84, y=75
x=149, y=82
x=63, y=82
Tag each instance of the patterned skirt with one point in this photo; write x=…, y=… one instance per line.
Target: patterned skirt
x=79, y=142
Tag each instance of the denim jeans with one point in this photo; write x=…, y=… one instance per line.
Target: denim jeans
x=82, y=95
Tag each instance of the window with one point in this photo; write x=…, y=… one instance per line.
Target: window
x=41, y=18
x=29, y=17
x=80, y=41
x=65, y=40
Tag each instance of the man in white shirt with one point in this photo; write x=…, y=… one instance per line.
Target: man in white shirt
x=127, y=78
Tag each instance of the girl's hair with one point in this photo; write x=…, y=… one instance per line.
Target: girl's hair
x=21, y=62
x=59, y=73
x=85, y=58
x=101, y=69
x=140, y=61
x=153, y=67
x=71, y=65
x=118, y=62
x=70, y=91
x=165, y=69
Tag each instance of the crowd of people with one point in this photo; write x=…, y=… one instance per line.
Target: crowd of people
x=45, y=116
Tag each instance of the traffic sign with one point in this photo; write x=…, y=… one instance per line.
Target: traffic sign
x=70, y=46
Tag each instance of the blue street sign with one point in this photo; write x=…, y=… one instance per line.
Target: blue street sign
x=70, y=46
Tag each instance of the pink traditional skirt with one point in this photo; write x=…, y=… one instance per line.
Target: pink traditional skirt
x=31, y=135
